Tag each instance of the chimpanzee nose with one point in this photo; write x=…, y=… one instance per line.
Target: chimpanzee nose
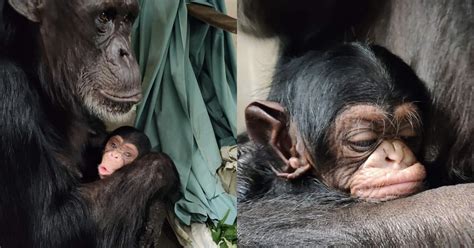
x=119, y=52
x=124, y=53
x=115, y=155
x=391, y=154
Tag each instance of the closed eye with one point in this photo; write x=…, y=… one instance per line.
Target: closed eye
x=362, y=145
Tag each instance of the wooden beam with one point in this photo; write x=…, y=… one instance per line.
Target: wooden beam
x=212, y=17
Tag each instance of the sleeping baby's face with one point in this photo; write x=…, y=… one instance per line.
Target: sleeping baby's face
x=117, y=153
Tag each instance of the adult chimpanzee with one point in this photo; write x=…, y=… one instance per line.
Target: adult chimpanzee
x=62, y=65
x=433, y=38
x=353, y=118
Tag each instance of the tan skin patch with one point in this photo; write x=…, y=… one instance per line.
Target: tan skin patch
x=117, y=153
x=373, y=151
x=407, y=115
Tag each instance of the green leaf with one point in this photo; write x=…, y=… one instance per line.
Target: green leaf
x=230, y=234
x=224, y=235
x=216, y=234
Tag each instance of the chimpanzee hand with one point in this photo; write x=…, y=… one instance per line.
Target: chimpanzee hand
x=122, y=198
x=294, y=169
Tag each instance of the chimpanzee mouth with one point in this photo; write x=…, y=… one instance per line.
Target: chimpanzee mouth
x=118, y=107
x=119, y=103
x=110, y=108
x=392, y=185
x=392, y=191
x=103, y=170
x=131, y=97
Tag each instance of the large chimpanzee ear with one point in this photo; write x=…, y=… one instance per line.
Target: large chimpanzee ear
x=27, y=8
x=268, y=124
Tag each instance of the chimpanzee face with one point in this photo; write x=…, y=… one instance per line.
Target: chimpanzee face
x=373, y=152
x=87, y=52
x=117, y=153
x=110, y=85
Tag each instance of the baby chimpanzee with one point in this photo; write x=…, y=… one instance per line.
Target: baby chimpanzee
x=125, y=144
x=353, y=117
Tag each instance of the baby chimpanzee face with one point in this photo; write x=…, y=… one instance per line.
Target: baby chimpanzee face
x=117, y=153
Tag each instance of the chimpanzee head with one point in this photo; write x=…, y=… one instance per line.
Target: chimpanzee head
x=85, y=53
x=124, y=145
x=352, y=115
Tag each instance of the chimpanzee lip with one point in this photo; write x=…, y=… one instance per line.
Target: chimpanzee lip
x=103, y=170
x=133, y=97
x=390, y=191
x=403, y=183
x=400, y=190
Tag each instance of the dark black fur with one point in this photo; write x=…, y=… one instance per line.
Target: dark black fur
x=44, y=134
x=315, y=216
x=256, y=179
x=435, y=38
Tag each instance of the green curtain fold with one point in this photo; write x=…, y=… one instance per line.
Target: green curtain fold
x=189, y=105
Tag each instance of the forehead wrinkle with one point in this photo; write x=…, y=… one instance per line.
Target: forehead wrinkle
x=404, y=110
x=360, y=116
x=407, y=112
x=364, y=112
x=104, y=4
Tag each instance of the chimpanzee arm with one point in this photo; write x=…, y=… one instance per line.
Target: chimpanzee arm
x=39, y=203
x=441, y=217
x=118, y=203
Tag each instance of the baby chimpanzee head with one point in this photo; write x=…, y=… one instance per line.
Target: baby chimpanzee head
x=124, y=145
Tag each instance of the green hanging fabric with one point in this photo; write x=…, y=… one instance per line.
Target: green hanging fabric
x=189, y=105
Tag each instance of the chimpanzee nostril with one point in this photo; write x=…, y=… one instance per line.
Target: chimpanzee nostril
x=123, y=53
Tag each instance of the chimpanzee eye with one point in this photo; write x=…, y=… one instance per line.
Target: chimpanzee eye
x=103, y=18
x=128, y=155
x=114, y=145
x=106, y=16
x=127, y=18
x=362, y=144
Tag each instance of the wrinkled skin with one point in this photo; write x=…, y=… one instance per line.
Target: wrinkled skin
x=108, y=84
x=118, y=153
x=374, y=152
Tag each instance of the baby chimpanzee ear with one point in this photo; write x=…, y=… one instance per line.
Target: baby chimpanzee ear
x=268, y=124
x=27, y=8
